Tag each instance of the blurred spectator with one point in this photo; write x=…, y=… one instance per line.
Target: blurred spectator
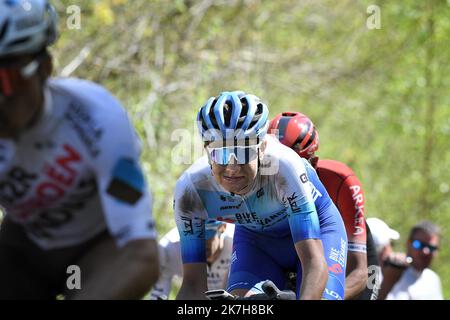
x=418, y=282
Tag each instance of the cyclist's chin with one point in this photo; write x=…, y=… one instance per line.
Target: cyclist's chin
x=236, y=186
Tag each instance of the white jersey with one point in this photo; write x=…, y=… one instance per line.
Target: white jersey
x=76, y=172
x=415, y=285
x=171, y=266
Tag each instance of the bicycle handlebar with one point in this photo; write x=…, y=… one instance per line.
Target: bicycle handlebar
x=271, y=292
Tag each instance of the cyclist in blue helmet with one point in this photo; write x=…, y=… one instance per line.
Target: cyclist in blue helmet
x=284, y=218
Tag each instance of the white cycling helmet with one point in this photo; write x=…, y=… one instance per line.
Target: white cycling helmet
x=26, y=26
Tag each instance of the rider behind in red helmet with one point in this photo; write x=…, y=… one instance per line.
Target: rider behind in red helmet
x=298, y=132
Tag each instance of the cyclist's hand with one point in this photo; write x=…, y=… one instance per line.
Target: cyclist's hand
x=397, y=260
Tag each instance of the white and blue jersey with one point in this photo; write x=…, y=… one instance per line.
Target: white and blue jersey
x=287, y=202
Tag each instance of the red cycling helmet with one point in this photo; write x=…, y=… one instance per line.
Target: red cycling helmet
x=296, y=131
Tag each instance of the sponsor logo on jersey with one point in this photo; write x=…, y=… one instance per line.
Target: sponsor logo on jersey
x=88, y=131
x=227, y=198
x=333, y=294
x=339, y=255
x=358, y=199
x=304, y=178
x=315, y=192
x=54, y=217
x=335, y=268
x=232, y=207
x=17, y=184
x=293, y=204
x=193, y=227
x=260, y=193
x=252, y=218
x=59, y=177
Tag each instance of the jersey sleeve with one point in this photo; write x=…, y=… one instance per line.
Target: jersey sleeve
x=190, y=217
x=293, y=188
x=125, y=198
x=350, y=201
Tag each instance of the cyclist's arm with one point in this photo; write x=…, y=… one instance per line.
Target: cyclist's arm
x=314, y=268
x=194, y=282
x=130, y=268
x=356, y=279
x=125, y=273
x=350, y=202
x=294, y=188
x=190, y=220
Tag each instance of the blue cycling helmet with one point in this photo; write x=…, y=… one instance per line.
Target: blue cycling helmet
x=26, y=26
x=233, y=115
x=211, y=227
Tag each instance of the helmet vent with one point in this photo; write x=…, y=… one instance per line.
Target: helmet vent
x=3, y=29
x=212, y=115
x=227, y=114
x=18, y=41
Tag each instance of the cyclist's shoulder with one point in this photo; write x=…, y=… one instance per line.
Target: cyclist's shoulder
x=196, y=176
x=284, y=157
x=87, y=99
x=334, y=168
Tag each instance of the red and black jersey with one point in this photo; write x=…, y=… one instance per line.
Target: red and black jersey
x=347, y=194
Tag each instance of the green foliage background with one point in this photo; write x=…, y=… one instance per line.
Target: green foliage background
x=379, y=97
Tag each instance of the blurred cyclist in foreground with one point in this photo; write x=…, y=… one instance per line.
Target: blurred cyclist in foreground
x=71, y=184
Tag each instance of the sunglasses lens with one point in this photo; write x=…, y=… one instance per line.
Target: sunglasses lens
x=418, y=245
x=242, y=155
x=245, y=155
x=220, y=156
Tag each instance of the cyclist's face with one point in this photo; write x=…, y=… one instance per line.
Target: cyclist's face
x=21, y=98
x=422, y=257
x=236, y=178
